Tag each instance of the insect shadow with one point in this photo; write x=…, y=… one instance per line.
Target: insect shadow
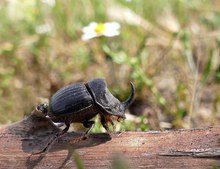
x=35, y=133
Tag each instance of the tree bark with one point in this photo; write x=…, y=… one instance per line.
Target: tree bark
x=192, y=148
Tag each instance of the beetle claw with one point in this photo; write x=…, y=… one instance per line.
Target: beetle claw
x=85, y=136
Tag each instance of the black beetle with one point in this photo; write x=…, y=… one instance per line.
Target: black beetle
x=80, y=102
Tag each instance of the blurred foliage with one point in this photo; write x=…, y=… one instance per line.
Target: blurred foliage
x=77, y=159
x=168, y=49
x=118, y=160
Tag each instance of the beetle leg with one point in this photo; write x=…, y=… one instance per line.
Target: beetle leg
x=112, y=123
x=104, y=121
x=106, y=128
x=90, y=125
x=65, y=129
x=50, y=143
x=59, y=124
x=105, y=125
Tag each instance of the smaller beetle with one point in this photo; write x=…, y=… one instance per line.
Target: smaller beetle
x=80, y=102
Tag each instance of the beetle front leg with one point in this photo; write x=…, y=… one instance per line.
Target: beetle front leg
x=105, y=125
x=104, y=121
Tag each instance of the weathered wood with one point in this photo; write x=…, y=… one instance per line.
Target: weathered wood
x=194, y=148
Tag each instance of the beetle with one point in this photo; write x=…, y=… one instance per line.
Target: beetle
x=80, y=102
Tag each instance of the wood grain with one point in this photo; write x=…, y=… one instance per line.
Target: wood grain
x=193, y=148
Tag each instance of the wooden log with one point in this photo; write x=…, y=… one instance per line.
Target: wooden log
x=193, y=148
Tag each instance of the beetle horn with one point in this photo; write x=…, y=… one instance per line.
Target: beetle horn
x=127, y=102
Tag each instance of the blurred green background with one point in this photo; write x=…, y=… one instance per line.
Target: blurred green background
x=168, y=49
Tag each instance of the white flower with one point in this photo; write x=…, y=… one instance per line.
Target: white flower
x=51, y=3
x=43, y=29
x=94, y=29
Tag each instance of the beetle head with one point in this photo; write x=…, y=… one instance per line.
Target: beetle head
x=106, y=101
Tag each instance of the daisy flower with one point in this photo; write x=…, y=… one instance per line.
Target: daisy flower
x=108, y=29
